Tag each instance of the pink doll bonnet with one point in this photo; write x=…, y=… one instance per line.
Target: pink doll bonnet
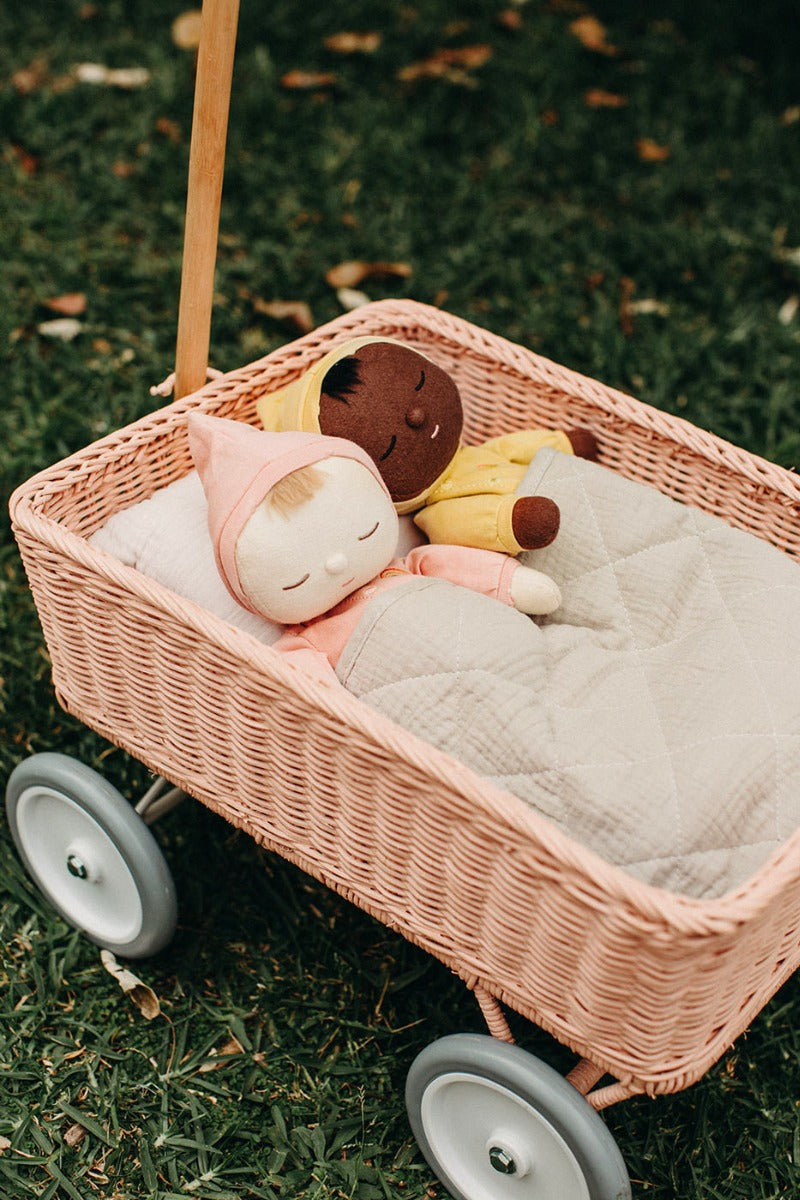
x=238, y=464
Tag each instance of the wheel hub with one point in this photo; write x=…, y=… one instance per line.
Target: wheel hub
x=76, y=867
x=508, y=1153
x=83, y=860
x=502, y=1161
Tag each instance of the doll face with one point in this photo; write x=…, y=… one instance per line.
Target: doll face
x=399, y=407
x=298, y=565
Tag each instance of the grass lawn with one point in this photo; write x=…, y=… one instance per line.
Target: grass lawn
x=630, y=208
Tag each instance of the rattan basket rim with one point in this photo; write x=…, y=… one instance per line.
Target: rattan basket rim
x=406, y=315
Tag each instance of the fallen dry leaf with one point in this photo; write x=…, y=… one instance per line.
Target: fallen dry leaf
x=599, y=98
x=230, y=1048
x=351, y=298
x=121, y=77
x=456, y=27
x=351, y=190
x=788, y=310
x=62, y=329
x=186, y=29
x=510, y=18
x=630, y=308
x=470, y=57
x=353, y=43
x=651, y=151
x=74, y=1135
x=627, y=287
x=29, y=79
x=170, y=129
x=349, y=274
x=142, y=996
x=295, y=311
x=649, y=307
x=591, y=34
x=448, y=63
x=58, y=85
x=307, y=80
x=791, y=115
x=71, y=304
x=428, y=68
x=28, y=162
x=790, y=255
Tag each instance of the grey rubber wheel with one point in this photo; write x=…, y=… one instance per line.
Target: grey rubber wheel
x=495, y=1123
x=91, y=855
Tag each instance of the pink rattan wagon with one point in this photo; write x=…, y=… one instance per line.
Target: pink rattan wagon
x=648, y=988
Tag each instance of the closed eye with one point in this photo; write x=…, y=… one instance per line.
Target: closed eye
x=386, y=453
x=364, y=536
x=291, y=586
x=421, y=383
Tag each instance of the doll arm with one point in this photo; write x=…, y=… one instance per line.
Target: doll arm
x=486, y=571
x=525, y=444
x=300, y=651
x=533, y=592
x=483, y=571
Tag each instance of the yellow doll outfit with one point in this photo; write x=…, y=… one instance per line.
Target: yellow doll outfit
x=471, y=502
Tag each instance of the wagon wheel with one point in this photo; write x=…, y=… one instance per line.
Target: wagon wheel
x=91, y=855
x=495, y=1123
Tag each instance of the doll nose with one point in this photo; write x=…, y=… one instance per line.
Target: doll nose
x=416, y=417
x=336, y=564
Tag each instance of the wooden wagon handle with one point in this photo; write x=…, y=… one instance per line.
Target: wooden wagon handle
x=204, y=193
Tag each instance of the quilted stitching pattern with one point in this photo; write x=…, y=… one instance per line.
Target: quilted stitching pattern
x=655, y=717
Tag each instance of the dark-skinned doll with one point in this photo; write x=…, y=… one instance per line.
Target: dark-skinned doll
x=406, y=412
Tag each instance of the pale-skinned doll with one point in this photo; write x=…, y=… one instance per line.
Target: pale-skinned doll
x=304, y=532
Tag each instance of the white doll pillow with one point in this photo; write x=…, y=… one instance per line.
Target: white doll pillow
x=166, y=538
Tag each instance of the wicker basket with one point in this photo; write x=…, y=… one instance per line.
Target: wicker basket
x=648, y=986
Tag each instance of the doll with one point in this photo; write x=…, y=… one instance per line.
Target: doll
x=406, y=412
x=304, y=532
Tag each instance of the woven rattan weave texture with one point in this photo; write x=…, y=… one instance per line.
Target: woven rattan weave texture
x=651, y=987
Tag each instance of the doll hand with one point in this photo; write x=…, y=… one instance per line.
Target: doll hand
x=534, y=592
x=535, y=521
x=584, y=444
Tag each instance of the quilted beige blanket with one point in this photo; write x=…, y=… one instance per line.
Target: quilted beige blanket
x=655, y=716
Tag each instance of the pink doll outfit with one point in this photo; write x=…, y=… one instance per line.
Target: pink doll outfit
x=239, y=465
x=317, y=645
